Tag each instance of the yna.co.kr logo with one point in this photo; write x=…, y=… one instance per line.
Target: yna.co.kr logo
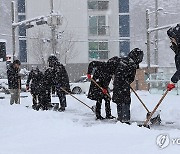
x=163, y=140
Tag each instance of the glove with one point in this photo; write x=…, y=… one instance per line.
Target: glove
x=170, y=86
x=89, y=76
x=104, y=91
x=27, y=87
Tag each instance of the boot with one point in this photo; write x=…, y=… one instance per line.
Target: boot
x=99, y=117
x=108, y=110
x=61, y=109
x=34, y=106
x=98, y=110
x=110, y=117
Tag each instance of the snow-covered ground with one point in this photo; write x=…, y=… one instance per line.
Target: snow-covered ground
x=75, y=131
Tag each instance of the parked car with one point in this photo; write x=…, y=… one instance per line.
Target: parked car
x=4, y=86
x=82, y=85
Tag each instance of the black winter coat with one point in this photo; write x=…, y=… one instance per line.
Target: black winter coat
x=101, y=74
x=14, y=79
x=174, y=32
x=35, y=77
x=124, y=76
x=60, y=78
x=176, y=77
x=45, y=87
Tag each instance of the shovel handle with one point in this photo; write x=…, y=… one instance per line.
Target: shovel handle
x=76, y=98
x=99, y=86
x=160, y=101
x=140, y=99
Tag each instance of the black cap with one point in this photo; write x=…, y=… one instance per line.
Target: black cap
x=136, y=55
x=17, y=62
x=174, y=32
x=52, y=60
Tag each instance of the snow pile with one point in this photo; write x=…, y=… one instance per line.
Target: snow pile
x=75, y=131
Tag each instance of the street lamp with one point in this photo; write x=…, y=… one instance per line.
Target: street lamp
x=53, y=20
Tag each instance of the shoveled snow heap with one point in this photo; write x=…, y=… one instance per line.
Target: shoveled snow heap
x=75, y=131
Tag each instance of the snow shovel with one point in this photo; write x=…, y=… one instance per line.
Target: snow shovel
x=92, y=109
x=154, y=110
x=99, y=86
x=154, y=120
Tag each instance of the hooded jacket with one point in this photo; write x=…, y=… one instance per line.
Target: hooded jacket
x=175, y=33
x=124, y=76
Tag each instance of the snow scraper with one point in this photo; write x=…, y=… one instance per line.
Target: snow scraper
x=146, y=123
x=155, y=119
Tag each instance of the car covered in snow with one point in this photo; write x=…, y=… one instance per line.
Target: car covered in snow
x=81, y=86
x=4, y=86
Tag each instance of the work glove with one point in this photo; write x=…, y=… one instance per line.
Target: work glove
x=104, y=91
x=89, y=76
x=170, y=86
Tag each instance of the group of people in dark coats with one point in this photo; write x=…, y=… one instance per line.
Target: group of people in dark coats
x=124, y=71
x=54, y=79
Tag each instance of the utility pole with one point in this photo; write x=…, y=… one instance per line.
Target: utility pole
x=148, y=45
x=156, y=34
x=53, y=30
x=148, y=40
x=13, y=29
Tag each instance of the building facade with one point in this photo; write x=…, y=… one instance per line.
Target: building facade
x=95, y=29
x=6, y=29
x=91, y=30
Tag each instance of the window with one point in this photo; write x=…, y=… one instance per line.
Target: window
x=124, y=47
x=2, y=51
x=23, y=50
x=97, y=25
x=123, y=6
x=98, y=5
x=21, y=6
x=98, y=50
x=22, y=29
x=21, y=18
x=124, y=28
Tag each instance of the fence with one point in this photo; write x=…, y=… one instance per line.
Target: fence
x=158, y=83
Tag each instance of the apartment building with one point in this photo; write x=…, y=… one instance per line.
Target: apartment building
x=91, y=30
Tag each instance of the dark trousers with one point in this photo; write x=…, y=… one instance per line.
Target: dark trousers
x=107, y=107
x=45, y=98
x=123, y=111
x=35, y=98
x=62, y=99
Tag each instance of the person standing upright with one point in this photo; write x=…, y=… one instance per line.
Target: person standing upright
x=14, y=81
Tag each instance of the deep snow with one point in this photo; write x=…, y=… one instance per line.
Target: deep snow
x=75, y=131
